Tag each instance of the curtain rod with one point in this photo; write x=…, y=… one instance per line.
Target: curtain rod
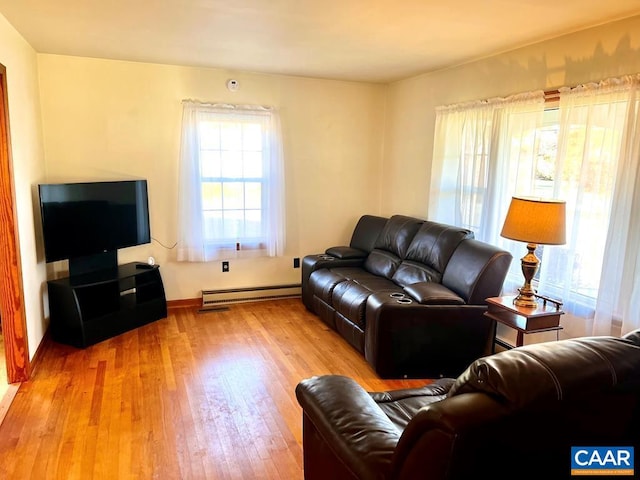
x=551, y=96
x=633, y=78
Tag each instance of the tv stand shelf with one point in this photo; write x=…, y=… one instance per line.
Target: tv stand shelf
x=88, y=308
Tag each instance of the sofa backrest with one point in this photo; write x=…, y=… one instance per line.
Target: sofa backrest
x=523, y=409
x=391, y=245
x=363, y=239
x=367, y=231
x=534, y=375
x=429, y=252
x=633, y=337
x=476, y=271
x=410, y=250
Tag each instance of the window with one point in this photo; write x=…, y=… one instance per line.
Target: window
x=585, y=152
x=231, y=196
x=232, y=183
x=590, y=180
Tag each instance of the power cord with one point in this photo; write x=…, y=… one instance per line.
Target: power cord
x=163, y=245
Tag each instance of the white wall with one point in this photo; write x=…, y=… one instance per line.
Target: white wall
x=20, y=61
x=107, y=119
x=590, y=55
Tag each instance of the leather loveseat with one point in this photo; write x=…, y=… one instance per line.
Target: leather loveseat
x=515, y=415
x=409, y=294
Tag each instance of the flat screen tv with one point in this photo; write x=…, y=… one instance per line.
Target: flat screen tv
x=88, y=222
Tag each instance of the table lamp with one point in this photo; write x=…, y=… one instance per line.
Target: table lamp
x=536, y=221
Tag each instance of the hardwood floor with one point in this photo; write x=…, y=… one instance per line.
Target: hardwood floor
x=192, y=396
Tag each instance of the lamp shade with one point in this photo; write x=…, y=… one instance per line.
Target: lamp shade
x=535, y=220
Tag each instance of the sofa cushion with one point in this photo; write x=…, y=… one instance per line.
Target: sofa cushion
x=323, y=282
x=429, y=252
x=408, y=272
x=434, y=244
x=357, y=274
x=391, y=245
x=431, y=293
x=382, y=262
x=544, y=372
x=350, y=299
x=377, y=284
x=397, y=234
x=402, y=405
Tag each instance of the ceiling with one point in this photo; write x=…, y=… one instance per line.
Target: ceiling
x=362, y=40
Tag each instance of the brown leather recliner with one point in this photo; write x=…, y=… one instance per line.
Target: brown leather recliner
x=515, y=414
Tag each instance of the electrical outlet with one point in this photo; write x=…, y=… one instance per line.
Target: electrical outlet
x=296, y=262
x=225, y=266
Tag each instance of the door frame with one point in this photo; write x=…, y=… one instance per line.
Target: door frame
x=14, y=325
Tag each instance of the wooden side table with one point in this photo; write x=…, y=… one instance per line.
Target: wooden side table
x=524, y=320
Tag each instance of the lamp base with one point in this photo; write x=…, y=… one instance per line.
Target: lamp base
x=530, y=264
x=526, y=299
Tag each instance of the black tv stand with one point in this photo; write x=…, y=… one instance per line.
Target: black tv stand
x=107, y=260
x=91, y=307
x=145, y=266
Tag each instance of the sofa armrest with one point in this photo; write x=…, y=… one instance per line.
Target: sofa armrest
x=311, y=263
x=438, y=436
x=476, y=271
x=359, y=434
x=433, y=293
x=405, y=338
x=343, y=252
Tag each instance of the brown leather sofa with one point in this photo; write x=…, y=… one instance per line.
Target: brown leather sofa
x=515, y=414
x=409, y=294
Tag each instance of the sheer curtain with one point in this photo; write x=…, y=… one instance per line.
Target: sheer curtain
x=487, y=152
x=484, y=153
x=198, y=235
x=600, y=132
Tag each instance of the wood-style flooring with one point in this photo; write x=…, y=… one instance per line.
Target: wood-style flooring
x=192, y=396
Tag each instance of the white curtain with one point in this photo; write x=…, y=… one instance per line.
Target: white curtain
x=487, y=152
x=600, y=130
x=484, y=153
x=193, y=244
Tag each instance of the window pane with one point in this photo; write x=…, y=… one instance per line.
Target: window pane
x=253, y=195
x=252, y=164
x=233, y=224
x=231, y=138
x=545, y=169
x=212, y=224
x=253, y=224
x=209, y=135
x=210, y=164
x=231, y=164
x=233, y=196
x=252, y=137
x=211, y=195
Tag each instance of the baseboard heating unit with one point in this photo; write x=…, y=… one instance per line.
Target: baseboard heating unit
x=213, y=299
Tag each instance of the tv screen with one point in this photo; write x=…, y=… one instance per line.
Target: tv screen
x=83, y=219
